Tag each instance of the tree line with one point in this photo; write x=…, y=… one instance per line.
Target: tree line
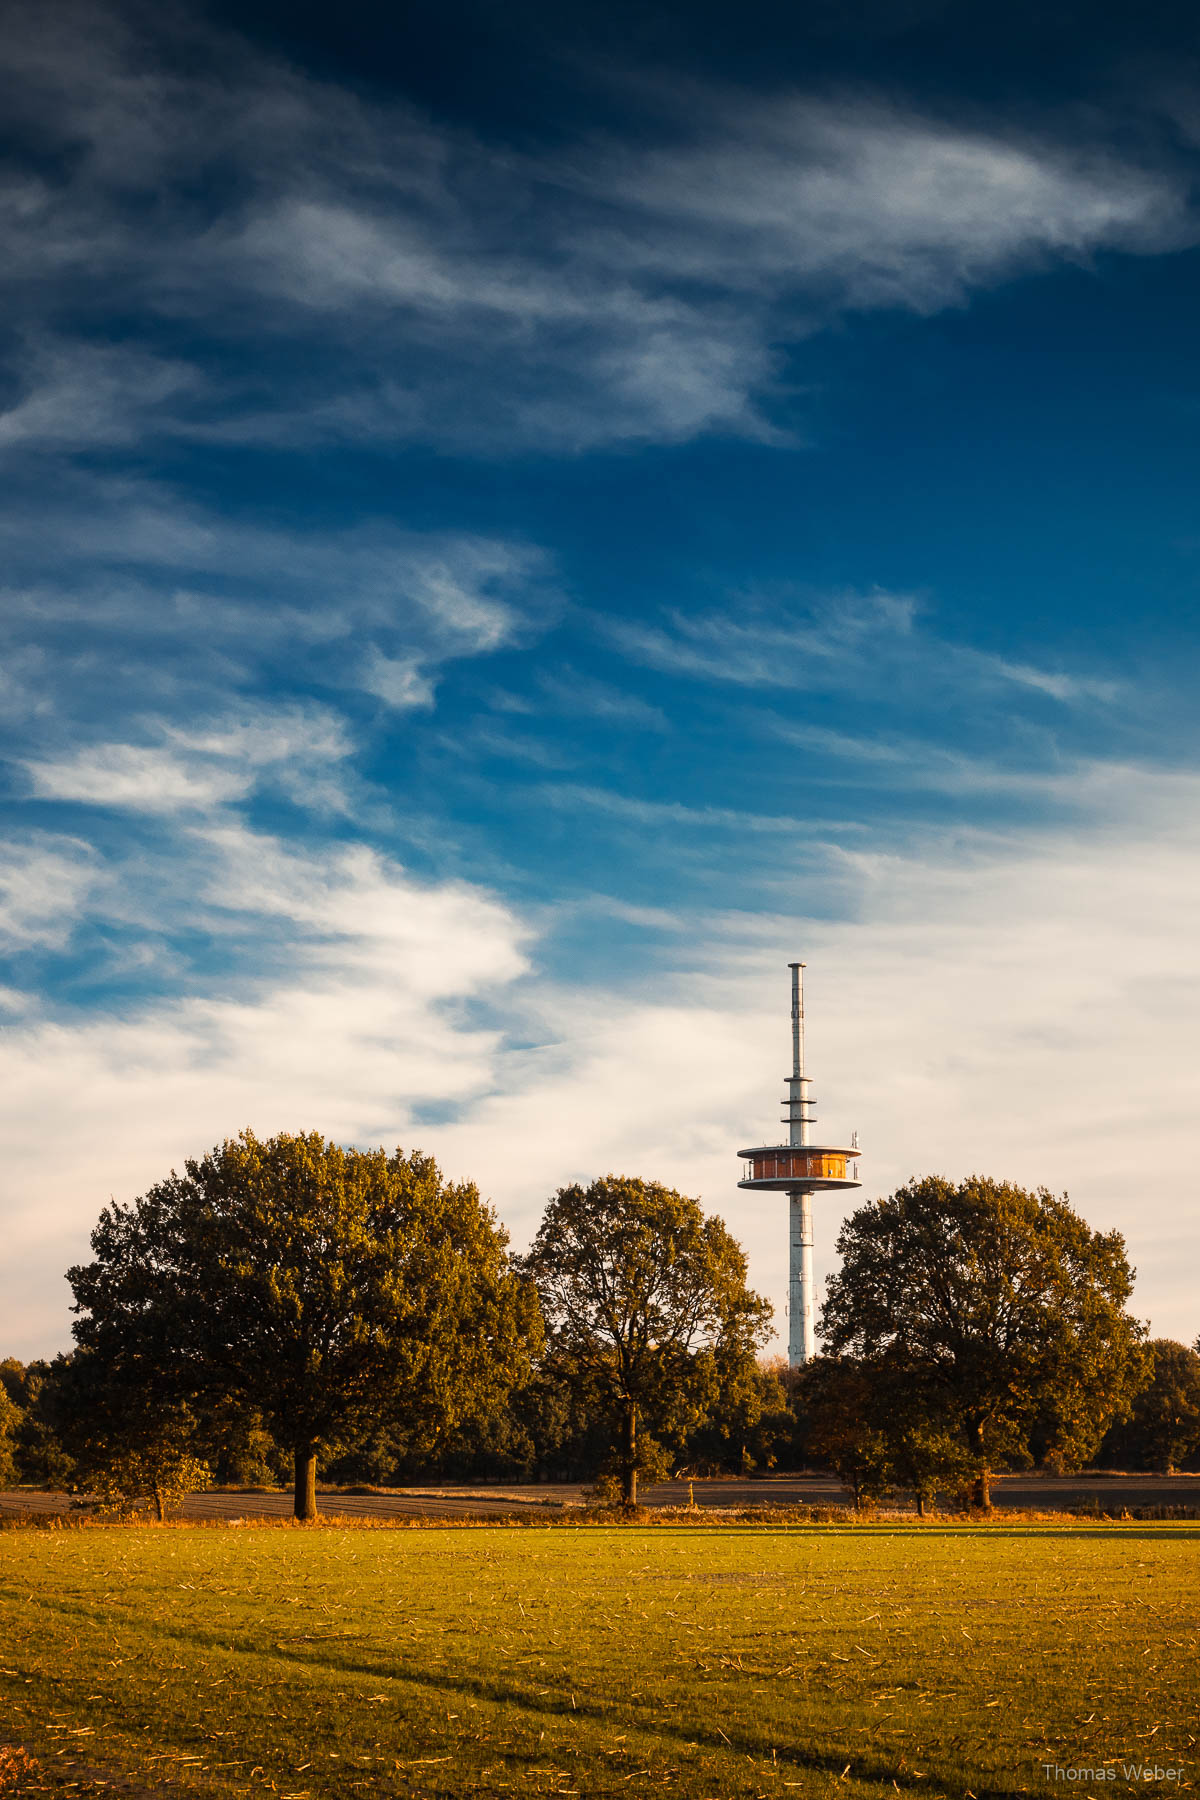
x=289, y=1306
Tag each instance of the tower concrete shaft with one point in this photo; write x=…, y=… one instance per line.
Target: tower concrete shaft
x=802, y=1331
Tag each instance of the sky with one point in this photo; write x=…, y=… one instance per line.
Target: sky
x=519, y=522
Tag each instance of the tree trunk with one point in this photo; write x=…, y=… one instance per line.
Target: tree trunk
x=159, y=1508
x=629, y=1472
x=922, y=1506
x=306, y=1481
x=981, y=1494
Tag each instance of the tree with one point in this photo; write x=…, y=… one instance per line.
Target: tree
x=876, y=1428
x=999, y=1307
x=122, y=1442
x=1162, y=1430
x=37, y=1451
x=12, y=1380
x=10, y=1418
x=647, y=1299
x=750, y=1421
x=324, y=1288
x=160, y=1473
x=843, y=1429
x=925, y=1452
x=555, y=1425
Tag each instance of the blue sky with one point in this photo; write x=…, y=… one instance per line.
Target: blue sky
x=516, y=526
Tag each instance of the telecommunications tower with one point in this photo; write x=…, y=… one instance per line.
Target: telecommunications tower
x=799, y=1169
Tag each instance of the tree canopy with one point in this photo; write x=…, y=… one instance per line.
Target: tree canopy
x=10, y=1418
x=873, y=1425
x=1163, y=1428
x=323, y=1288
x=996, y=1311
x=647, y=1299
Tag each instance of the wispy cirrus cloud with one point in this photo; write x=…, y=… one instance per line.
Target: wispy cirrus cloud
x=328, y=268
x=827, y=642
x=1058, y=683
x=168, y=665
x=76, y=396
x=661, y=814
x=767, y=642
x=858, y=203
x=567, y=690
x=119, y=592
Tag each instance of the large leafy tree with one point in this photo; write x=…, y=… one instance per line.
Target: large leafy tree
x=324, y=1288
x=998, y=1309
x=646, y=1299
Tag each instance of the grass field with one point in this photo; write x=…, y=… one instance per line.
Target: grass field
x=686, y=1661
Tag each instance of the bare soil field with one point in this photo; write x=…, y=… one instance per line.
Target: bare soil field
x=1020, y=1493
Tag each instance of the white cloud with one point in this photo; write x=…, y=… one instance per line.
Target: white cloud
x=44, y=882
x=267, y=736
x=462, y=590
x=351, y=906
x=910, y=766
x=468, y=592
x=210, y=765
x=532, y=750
x=781, y=211
x=127, y=775
x=1017, y=1006
x=398, y=681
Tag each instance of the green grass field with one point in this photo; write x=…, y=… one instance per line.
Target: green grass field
x=688, y=1661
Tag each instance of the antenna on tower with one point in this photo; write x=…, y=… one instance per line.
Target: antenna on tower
x=799, y=1113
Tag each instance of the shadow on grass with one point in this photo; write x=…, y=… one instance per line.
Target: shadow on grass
x=567, y=1706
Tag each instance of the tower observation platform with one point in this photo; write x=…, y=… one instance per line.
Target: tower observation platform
x=800, y=1169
